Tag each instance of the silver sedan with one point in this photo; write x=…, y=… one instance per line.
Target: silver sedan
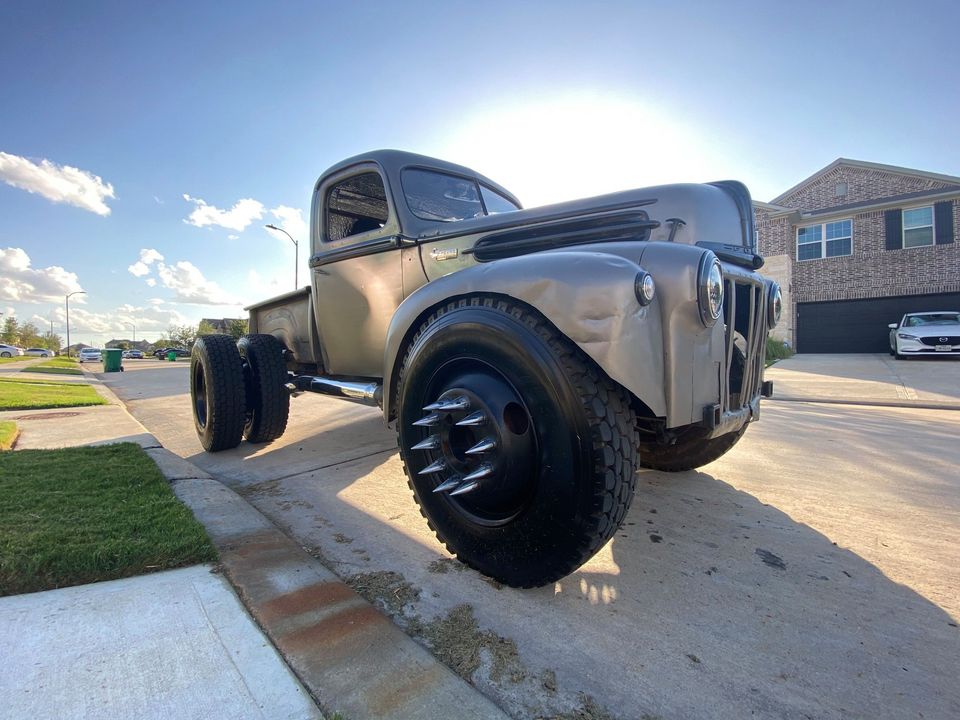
x=926, y=333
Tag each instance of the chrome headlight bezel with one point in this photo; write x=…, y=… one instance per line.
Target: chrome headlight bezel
x=774, y=304
x=644, y=288
x=710, y=289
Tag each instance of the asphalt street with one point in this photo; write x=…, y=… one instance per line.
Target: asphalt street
x=810, y=573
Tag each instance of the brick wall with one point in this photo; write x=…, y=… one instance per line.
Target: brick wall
x=862, y=185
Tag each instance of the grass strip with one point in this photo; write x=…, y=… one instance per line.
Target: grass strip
x=53, y=369
x=81, y=515
x=19, y=358
x=8, y=434
x=22, y=394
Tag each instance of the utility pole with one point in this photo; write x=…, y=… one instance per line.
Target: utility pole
x=296, y=252
x=67, y=301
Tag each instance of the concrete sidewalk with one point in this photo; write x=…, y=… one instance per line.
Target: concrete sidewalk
x=877, y=379
x=180, y=645
x=175, y=644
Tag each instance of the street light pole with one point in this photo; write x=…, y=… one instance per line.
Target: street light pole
x=296, y=253
x=67, y=301
x=134, y=331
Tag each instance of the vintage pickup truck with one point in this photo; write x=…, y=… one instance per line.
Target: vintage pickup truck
x=530, y=360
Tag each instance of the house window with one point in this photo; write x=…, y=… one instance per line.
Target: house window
x=832, y=239
x=918, y=227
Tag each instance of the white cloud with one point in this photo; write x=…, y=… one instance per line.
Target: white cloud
x=237, y=218
x=233, y=237
x=190, y=286
x=21, y=283
x=152, y=282
x=117, y=321
x=142, y=266
x=291, y=220
x=59, y=183
x=138, y=269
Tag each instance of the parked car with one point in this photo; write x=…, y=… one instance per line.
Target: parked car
x=134, y=354
x=39, y=352
x=10, y=350
x=925, y=333
x=162, y=352
x=90, y=355
x=531, y=360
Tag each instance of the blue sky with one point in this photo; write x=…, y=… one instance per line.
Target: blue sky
x=114, y=112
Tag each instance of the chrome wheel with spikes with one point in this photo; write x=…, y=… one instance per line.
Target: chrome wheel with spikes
x=519, y=451
x=474, y=443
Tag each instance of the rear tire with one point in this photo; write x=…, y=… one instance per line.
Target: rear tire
x=265, y=375
x=554, y=449
x=217, y=392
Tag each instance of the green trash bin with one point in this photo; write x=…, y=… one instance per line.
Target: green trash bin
x=172, y=356
x=112, y=357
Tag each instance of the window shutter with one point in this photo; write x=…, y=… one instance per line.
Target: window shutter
x=893, y=222
x=943, y=221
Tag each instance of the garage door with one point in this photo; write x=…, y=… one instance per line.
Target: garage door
x=860, y=326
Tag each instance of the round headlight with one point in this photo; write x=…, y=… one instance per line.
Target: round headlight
x=774, y=304
x=644, y=287
x=711, y=289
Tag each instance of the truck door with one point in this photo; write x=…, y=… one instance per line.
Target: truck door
x=356, y=266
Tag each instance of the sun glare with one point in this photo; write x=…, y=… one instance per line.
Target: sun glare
x=582, y=145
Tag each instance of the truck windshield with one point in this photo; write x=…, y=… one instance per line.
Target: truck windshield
x=434, y=195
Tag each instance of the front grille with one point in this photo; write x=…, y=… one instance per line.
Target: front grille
x=744, y=314
x=941, y=340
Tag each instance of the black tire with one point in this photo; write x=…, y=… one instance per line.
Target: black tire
x=692, y=450
x=265, y=375
x=5, y=354
x=217, y=393
x=562, y=471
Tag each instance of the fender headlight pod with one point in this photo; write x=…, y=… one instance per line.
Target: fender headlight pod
x=774, y=304
x=710, y=292
x=644, y=287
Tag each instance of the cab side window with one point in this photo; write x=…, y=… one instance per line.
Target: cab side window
x=356, y=205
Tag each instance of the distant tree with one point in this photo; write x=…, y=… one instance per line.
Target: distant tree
x=51, y=341
x=237, y=328
x=205, y=328
x=183, y=335
x=11, y=331
x=28, y=335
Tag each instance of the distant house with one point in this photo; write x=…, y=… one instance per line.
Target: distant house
x=130, y=344
x=221, y=326
x=855, y=246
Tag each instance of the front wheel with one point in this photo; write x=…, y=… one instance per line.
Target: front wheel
x=217, y=392
x=520, y=452
x=690, y=451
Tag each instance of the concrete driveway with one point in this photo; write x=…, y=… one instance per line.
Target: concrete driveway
x=810, y=573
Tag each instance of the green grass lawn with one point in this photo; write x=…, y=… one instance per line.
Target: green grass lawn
x=19, y=358
x=8, y=434
x=21, y=394
x=88, y=514
x=56, y=366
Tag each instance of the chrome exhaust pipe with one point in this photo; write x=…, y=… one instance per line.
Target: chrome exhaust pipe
x=365, y=393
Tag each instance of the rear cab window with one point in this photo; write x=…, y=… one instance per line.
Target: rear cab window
x=355, y=206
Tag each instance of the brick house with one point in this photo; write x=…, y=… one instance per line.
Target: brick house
x=855, y=246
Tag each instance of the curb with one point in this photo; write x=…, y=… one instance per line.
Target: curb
x=349, y=656
x=916, y=404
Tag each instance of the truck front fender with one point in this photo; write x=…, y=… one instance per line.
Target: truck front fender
x=588, y=296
